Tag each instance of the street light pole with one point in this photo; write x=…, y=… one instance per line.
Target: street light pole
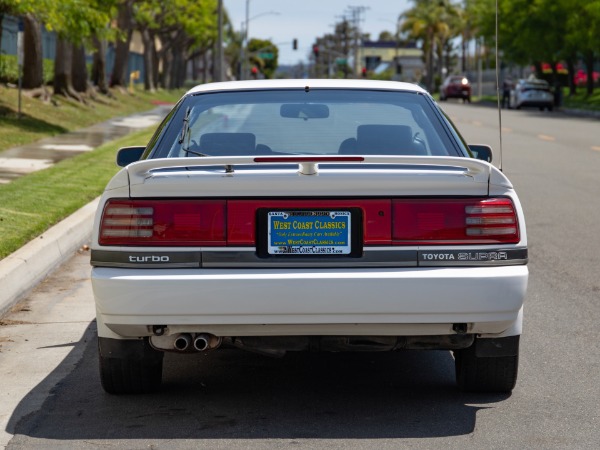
x=247, y=25
x=220, y=56
x=244, y=54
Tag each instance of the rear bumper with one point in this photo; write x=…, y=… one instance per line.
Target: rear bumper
x=394, y=301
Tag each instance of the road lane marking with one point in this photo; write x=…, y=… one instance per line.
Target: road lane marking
x=596, y=147
x=506, y=130
x=545, y=137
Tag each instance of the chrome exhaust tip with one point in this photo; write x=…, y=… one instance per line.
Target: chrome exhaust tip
x=182, y=342
x=201, y=342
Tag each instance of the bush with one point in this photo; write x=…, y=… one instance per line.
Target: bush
x=9, y=69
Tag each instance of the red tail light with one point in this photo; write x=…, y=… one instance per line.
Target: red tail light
x=454, y=221
x=163, y=223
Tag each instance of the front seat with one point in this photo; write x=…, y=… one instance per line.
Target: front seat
x=385, y=140
x=228, y=144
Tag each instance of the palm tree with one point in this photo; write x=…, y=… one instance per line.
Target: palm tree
x=429, y=21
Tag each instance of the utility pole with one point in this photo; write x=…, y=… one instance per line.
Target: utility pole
x=356, y=12
x=220, y=56
x=20, y=62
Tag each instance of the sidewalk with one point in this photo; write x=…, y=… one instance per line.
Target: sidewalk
x=23, y=269
x=39, y=155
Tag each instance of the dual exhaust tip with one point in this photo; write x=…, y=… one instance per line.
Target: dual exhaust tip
x=200, y=342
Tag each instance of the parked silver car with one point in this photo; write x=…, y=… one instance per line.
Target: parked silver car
x=532, y=92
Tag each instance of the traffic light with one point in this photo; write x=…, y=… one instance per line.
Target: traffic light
x=254, y=72
x=295, y=44
x=316, y=51
x=364, y=72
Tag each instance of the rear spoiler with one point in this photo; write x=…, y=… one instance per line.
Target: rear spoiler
x=480, y=171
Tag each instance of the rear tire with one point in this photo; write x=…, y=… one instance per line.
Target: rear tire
x=129, y=367
x=485, y=373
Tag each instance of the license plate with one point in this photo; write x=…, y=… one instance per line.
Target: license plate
x=309, y=232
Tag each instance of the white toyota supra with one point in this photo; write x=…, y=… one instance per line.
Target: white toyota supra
x=308, y=215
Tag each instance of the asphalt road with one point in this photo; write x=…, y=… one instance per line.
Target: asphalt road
x=234, y=400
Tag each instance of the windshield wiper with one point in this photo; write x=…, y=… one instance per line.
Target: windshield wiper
x=187, y=150
x=186, y=125
x=186, y=136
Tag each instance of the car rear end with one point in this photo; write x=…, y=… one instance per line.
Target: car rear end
x=535, y=94
x=333, y=252
x=456, y=87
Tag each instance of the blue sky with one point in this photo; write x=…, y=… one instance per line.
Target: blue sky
x=307, y=19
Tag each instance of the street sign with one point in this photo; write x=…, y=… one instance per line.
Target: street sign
x=266, y=55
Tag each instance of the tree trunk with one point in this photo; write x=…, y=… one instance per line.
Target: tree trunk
x=205, y=67
x=79, y=69
x=177, y=67
x=99, y=65
x=165, y=76
x=149, y=52
x=33, y=65
x=194, y=62
x=1, y=22
x=155, y=62
x=571, y=70
x=63, y=83
x=125, y=24
x=589, y=62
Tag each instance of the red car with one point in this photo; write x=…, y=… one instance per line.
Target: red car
x=456, y=86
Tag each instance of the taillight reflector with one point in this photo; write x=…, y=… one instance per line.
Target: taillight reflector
x=454, y=221
x=163, y=223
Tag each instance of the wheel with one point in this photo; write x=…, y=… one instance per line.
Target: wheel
x=485, y=373
x=129, y=366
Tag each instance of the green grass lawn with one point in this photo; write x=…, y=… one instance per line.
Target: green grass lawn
x=33, y=203
x=39, y=119
x=581, y=100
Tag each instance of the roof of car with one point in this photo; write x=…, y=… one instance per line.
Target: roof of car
x=533, y=82
x=303, y=83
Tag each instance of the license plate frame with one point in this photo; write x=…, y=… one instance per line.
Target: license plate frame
x=309, y=232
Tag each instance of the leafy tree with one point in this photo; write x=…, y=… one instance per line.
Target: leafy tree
x=186, y=28
x=583, y=34
x=428, y=21
x=263, y=55
x=75, y=22
x=31, y=11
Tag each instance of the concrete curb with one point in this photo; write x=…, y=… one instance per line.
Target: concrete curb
x=22, y=270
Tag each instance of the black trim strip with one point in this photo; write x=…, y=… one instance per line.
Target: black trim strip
x=383, y=258
x=249, y=259
x=473, y=257
x=155, y=259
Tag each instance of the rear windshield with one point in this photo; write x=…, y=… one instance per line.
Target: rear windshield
x=319, y=122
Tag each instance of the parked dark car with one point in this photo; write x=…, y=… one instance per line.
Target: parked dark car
x=456, y=86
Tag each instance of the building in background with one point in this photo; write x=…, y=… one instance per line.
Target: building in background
x=404, y=62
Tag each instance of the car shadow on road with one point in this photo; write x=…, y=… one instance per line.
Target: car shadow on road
x=231, y=394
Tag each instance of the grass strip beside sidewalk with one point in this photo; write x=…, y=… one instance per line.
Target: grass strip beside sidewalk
x=39, y=119
x=31, y=204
